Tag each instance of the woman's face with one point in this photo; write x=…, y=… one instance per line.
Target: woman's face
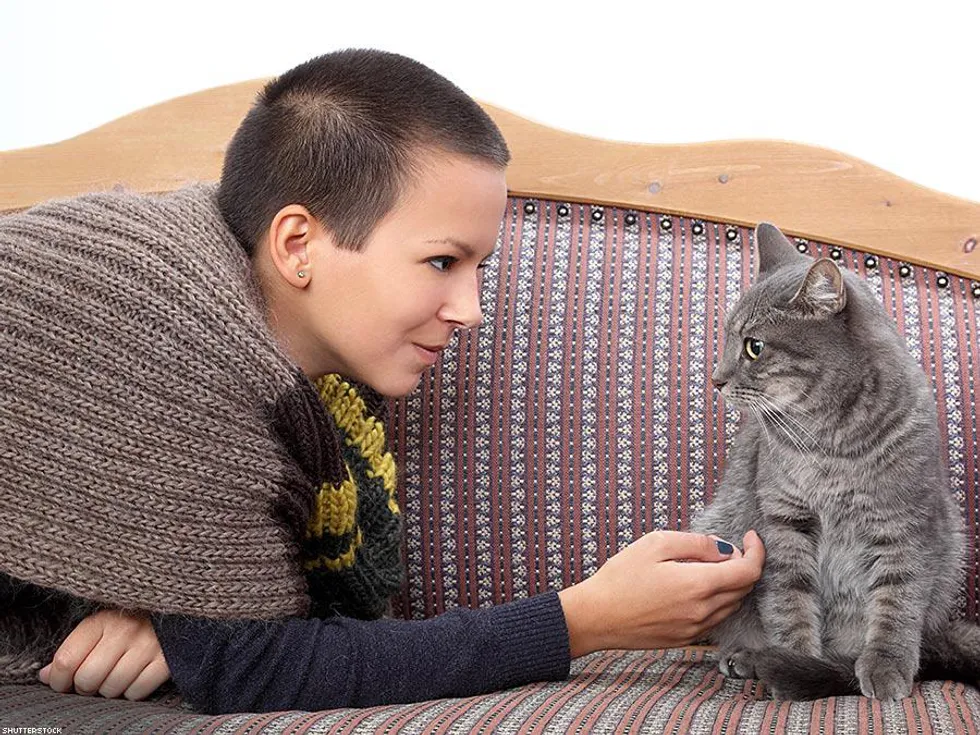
x=383, y=315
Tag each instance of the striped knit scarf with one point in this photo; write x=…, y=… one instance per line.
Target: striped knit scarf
x=158, y=450
x=354, y=523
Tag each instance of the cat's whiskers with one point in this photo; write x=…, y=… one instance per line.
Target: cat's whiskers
x=787, y=417
x=801, y=410
x=816, y=444
x=758, y=414
x=779, y=418
x=788, y=423
x=781, y=423
x=756, y=404
x=788, y=412
x=763, y=412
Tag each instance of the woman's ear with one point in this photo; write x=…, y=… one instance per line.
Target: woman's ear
x=289, y=243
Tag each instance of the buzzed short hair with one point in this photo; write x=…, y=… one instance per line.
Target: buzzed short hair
x=342, y=135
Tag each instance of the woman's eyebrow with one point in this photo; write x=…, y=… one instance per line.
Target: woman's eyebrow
x=452, y=241
x=467, y=249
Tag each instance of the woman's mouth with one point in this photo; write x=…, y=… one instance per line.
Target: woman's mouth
x=429, y=353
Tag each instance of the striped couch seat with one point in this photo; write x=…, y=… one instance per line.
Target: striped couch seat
x=578, y=417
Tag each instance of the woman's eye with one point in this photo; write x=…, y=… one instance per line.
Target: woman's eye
x=443, y=262
x=753, y=347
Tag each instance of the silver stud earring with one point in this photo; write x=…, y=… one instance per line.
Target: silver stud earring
x=301, y=274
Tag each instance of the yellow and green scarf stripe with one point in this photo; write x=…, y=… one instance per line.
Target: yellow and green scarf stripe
x=352, y=544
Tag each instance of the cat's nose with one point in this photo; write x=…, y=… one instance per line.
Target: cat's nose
x=718, y=382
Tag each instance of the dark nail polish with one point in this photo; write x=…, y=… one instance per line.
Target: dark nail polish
x=724, y=547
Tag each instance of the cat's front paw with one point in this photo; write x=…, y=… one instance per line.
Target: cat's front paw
x=884, y=676
x=738, y=663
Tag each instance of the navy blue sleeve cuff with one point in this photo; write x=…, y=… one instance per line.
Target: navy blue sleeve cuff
x=531, y=641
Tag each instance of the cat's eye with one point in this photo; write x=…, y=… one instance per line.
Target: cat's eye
x=753, y=347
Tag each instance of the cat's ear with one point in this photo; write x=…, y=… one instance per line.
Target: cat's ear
x=822, y=292
x=773, y=250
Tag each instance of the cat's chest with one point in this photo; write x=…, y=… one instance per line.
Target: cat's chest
x=840, y=548
x=810, y=487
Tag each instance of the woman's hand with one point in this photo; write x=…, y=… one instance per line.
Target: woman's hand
x=664, y=590
x=112, y=653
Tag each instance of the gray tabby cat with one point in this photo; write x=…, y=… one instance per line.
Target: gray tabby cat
x=838, y=466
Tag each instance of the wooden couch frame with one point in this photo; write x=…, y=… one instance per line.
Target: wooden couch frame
x=810, y=192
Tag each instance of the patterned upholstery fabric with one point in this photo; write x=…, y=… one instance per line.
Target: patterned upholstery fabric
x=577, y=418
x=581, y=415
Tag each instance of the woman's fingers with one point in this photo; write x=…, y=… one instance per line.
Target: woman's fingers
x=112, y=653
x=150, y=679
x=681, y=546
x=71, y=654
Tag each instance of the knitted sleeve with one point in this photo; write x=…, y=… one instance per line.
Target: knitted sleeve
x=314, y=664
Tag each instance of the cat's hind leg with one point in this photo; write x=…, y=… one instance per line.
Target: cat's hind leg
x=744, y=652
x=953, y=653
x=737, y=663
x=799, y=676
x=738, y=637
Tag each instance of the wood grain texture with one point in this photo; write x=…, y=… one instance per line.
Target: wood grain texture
x=808, y=191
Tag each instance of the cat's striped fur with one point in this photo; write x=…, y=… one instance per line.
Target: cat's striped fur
x=838, y=466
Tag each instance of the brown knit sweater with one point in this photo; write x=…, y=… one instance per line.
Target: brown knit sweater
x=158, y=450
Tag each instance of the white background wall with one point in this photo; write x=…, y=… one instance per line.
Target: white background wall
x=897, y=84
